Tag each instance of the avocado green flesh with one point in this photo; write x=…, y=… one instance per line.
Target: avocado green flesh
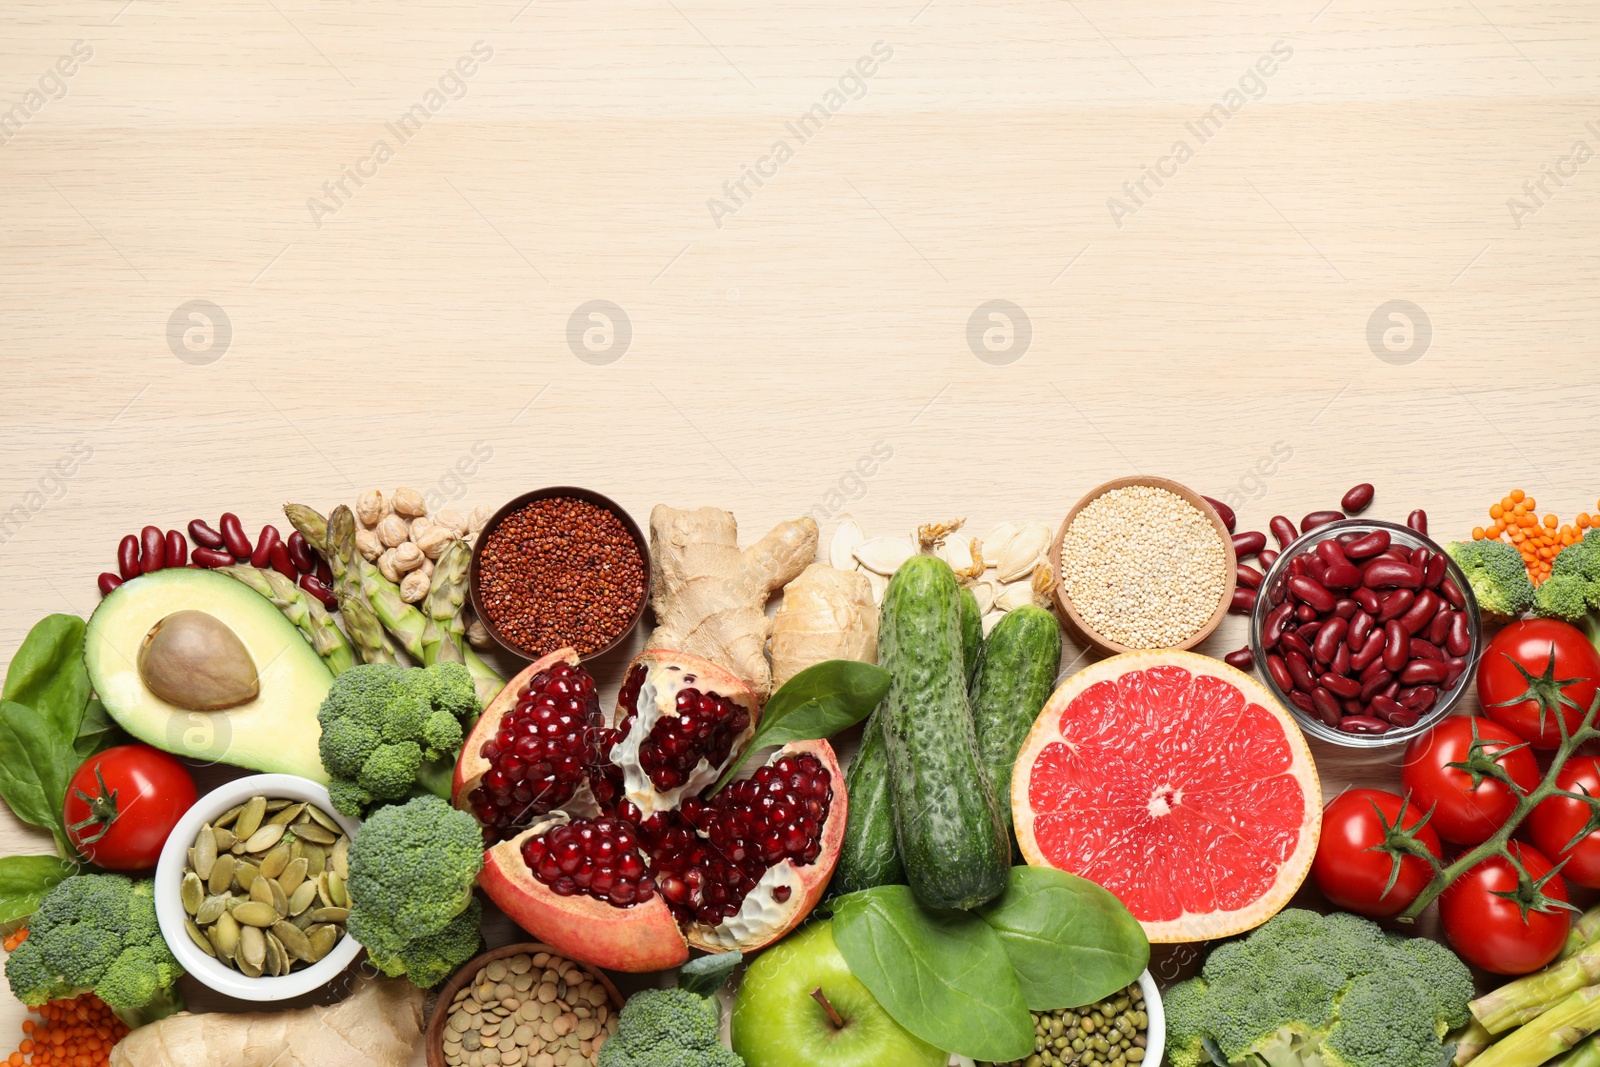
x=277, y=731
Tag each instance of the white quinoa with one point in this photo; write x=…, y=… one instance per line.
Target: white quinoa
x=1143, y=567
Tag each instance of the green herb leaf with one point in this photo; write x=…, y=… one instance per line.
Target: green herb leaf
x=708, y=974
x=48, y=675
x=818, y=702
x=24, y=881
x=1070, y=941
x=943, y=975
x=36, y=763
x=98, y=732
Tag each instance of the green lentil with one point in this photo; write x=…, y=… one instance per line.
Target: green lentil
x=1111, y=1033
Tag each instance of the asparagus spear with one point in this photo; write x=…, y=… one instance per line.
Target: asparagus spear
x=335, y=538
x=1532, y=995
x=306, y=612
x=444, y=640
x=365, y=631
x=1566, y=1024
x=1470, y=1041
x=1585, y=1053
x=1585, y=928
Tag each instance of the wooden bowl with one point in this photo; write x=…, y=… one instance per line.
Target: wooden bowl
x=433, y=1040
x=1069, y=615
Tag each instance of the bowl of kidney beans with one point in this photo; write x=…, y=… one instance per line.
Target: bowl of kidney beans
x=1367, y=631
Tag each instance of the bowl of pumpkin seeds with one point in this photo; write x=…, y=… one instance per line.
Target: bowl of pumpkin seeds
x=250, y=888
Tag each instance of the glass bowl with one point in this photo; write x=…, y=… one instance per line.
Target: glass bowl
x=1274, y=588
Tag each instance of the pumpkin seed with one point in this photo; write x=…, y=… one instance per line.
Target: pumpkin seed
x=211, y=909
x=287, y=815
x=255, y=913
x=322, y=890
x=278, y=805
x=1022, y=551
x=984, y=591
x=252, y=946
x=244, y=874
x=273, y=863
x=248, y=969
x=238, y=848
x=250, y=817
x=1014, y=595
x=302, y=897
x=261, y=890
x=272, y=955
x=198, y=938
x=999, y=538
x=841, y=550
x=227, y=817
x=264, y=838
x=205, y=851
x=298, y=945
x=341, y=857
x=310, y=831
x=331, y=915
x=884, y=555
x=292, y=876
x=225, y=838
x=227, y=928
x=337, y=891
x=192, y=855
x=280, y=900
x=303, y=920
x=191, y=892
x=316, y=858
x=321, y=941
x=221, y=874
x=328, y=822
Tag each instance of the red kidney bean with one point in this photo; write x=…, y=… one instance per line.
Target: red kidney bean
x=1391, y=574
x=1329, y=638
x=1248, y=544
x=128, y=557
x=1242, y=658
x=1248, y=576
x=1305, y=612
x=1300, y=671
x=1267, y=557
x=1357, y=498
x=233, y=536
x=1457, y=667
x=1418, y=521
x=1346, y=609
x=1297, y=568
x=1439, y=628
x=1398, y=553
x=1352, y=707
x=1376, y=684
x=1330, y=552
x=1280, y=672
x=313, y=585
x=1341, y=660
x=1293, y=642
x=211, y=557
x=1396, y=645
x=1339, y=686
x=1302, y=701
x=1360, y=624
x=1319, y=518
x=1418, y=558
x=1312, y=594
x=108, y=582
x=1421, y=611
x=177, y=549
x=324, y=575
x=1371, y=649
x=203, y=535
x=1277, y=619
x=1327, y=706
x=1424, y=672
x=1363, y=724
x=1391, y=689
x=261, y=555
x=1367, y=599
x=1402, y=720
x=1224, y=512
x=1434, y=572
x=1459, y=640
x=1316, y=570
x=300, y=553
x=1348, y=536
x=1452, y=592
x=1418, y=697
x=1283, y=530
x=1386, y=706
x=1244, y=601
x=1308, y=630
x=1420, y=649
x=153, y=556
x=1368, y=545
x=279, y=557
x=1342, y=576
x=1395, y=604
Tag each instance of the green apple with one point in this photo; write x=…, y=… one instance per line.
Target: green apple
x=780, y=1020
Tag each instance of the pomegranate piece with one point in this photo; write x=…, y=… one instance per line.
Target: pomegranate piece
x=599, y=857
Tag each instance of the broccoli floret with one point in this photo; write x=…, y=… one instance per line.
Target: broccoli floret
x=667, y=1026
x=1497, y=574
x=429, y=960
x=98, y=932
x=1309, y=991
x=390, y=732
x=1564, y=597
x=412, y=869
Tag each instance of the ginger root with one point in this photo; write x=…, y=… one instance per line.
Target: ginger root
x=710, y=598
x=377, y=1025
x=826, y=614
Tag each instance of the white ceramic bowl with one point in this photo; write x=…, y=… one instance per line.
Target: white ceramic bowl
x=169, y=906
x=1155, y=1033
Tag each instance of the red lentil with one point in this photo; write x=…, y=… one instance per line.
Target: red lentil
x=561, y=571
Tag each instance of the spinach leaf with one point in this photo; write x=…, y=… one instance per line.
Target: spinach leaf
x=36, y=763
x=818, y=702
x=48, y=674
x=708, y=974
x=1070, y=941
x=98, y=732
x=943, y=975
x=24, y=881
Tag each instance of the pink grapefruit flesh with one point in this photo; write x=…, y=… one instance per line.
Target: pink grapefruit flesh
x=1176, y=782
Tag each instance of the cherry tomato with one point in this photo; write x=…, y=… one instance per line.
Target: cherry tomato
x=1527, y=644
x=1347, y=870
x=1464, y=814
x=1491, y=932
x=122, y=804
x=1555, y=822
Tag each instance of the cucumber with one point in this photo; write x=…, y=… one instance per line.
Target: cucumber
x=947, y=821
x=971, y=631
x=869, y=856
x=1016, y=675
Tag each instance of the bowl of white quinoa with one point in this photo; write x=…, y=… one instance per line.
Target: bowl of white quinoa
x=1143, y=563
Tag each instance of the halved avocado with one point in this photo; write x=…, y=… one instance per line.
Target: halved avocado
x=276, y=730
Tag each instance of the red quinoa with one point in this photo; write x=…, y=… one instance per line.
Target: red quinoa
x=561, y=572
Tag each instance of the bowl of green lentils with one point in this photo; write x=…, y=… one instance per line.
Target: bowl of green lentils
x=1124, y=1029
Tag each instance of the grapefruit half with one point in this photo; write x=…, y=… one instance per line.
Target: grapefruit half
x=1176, y=782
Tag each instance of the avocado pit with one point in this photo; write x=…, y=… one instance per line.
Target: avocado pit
x=193, y=660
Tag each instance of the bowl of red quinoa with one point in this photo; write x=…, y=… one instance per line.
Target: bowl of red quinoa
x=560, y=567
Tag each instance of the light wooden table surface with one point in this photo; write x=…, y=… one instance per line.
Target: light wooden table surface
x=382, y=300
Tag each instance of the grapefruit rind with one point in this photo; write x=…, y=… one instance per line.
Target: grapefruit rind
x=1190, y=925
